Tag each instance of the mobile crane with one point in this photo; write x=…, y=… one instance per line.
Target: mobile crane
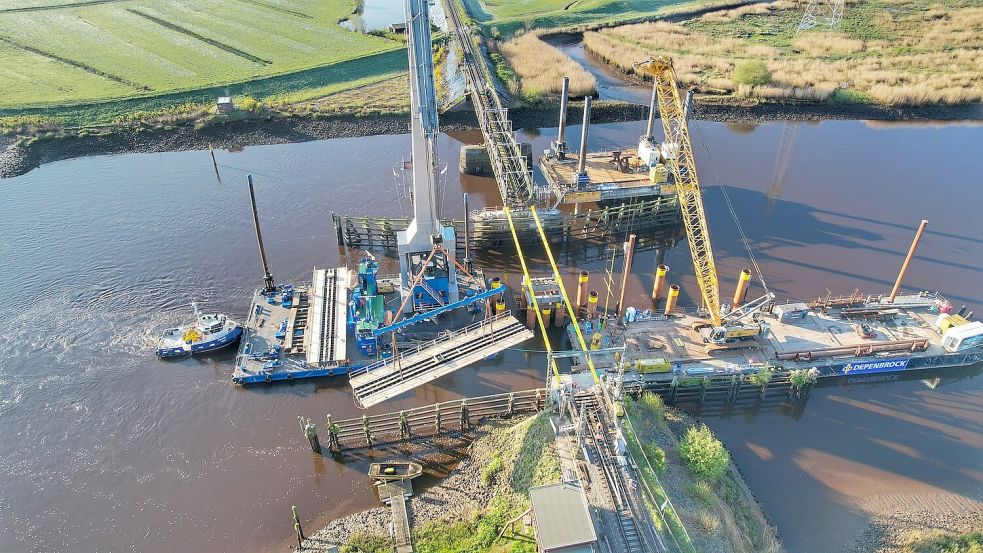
x=725, y=330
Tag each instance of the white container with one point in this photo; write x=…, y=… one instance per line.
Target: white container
x=963, y=337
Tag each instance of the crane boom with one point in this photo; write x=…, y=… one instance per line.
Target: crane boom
x=679, y=158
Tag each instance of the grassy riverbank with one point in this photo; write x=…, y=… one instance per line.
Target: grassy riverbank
x=710, y=507
x=503, y=18
x=466, y=511
x=888, y=52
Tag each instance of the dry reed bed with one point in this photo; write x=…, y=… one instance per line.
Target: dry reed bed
x=541, y=68
x=936, y=59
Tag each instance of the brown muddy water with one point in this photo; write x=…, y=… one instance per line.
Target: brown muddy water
x=105, y=448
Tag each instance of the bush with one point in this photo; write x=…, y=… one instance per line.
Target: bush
x=502, y=69
x=653, y=404
x=939, y=542
x=709, y=522
x=656, y=457
x=362, y=543
x=752, y=72
x=703, y=492
x=762, y=377
x=703, y=453
x=801, y=377
x=493, y=468
x=248, y=103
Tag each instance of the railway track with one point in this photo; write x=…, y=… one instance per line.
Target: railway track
x=615, y=491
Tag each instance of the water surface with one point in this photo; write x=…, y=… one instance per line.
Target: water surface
x=105, y=448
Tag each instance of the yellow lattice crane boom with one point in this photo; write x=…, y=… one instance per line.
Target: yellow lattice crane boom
x=678, y=154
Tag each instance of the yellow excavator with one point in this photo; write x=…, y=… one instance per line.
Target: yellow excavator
x=736, y=328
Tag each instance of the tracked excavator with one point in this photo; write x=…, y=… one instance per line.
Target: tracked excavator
x=726, y=328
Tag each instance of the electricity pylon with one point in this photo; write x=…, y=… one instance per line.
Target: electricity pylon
x=821, y=12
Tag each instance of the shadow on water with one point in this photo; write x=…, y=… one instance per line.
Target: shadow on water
x=862, y=449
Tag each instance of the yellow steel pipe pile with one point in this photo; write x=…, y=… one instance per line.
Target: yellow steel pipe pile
x=563, y=292
x=535, y=303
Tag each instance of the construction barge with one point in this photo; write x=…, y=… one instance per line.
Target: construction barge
x=388, y=334
x=823, y=338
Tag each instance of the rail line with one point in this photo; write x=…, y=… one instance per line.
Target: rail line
x=513, y=175
x=616, y=490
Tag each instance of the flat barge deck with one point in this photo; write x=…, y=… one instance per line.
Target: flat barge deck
x=612, y=175
x=830, y=338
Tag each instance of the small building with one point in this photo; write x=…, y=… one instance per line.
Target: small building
x=562, y=520
x=398, y=28
x=224, y=105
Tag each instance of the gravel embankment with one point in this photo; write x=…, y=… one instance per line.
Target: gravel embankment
x=889, y=534
x=456, y=497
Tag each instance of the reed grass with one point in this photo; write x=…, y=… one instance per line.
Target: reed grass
x=541, y=68
x=911, y=55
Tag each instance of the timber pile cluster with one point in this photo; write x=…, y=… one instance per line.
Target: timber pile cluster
x=890, y=534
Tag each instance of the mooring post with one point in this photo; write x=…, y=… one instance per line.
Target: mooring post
x=539, y=399
x=365, y=428
x=333, y=442
x=511, y=403
x=465, y=423
x=629, y=254
x=297, y=526
x=214, y=163
x=336, y=221
x=311, y=432
x=436, y=419
x=404, y=426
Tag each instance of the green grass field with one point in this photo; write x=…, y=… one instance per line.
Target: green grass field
x=56, y=53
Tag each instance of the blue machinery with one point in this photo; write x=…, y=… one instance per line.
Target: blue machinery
x=367, y=316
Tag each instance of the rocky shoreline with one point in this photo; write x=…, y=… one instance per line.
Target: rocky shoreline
x=890, y=534
x=22, y=155
x=520, y=447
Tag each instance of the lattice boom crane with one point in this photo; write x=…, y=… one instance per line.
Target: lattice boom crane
x=728, y=328
x=678, y=152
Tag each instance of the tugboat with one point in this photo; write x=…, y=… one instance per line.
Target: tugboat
x=211, y=331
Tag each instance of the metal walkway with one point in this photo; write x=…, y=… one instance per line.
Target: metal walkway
x=326, y=329
x=513, y=175
x=388, y=378
x=395, y=494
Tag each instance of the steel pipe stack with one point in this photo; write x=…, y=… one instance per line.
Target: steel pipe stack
x=582, y=290
x=561, y=143
x=582, y=163
x=592, y=299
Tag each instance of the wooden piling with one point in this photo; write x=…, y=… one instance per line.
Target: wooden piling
x=214, y=162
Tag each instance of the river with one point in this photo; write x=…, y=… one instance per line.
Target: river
x=105, y=448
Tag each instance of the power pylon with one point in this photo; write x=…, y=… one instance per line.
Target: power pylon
x=821, y=12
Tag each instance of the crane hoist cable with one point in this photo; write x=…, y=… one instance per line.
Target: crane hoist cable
x=733, y=212
x=532, y=295
x=563, y=294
